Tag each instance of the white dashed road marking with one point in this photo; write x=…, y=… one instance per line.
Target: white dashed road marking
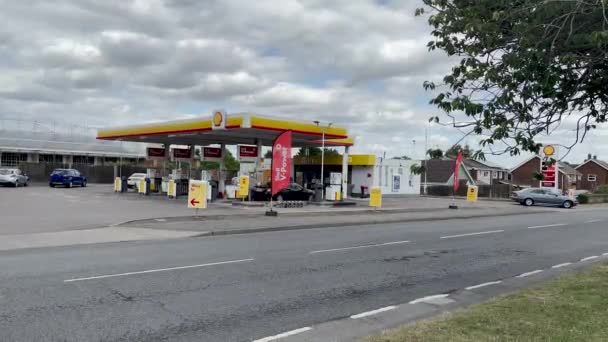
x=527, y=274
x=357, y=247
x=548, y=225
x=592, y=221
x=561, y=265
x=590, y=258
x=604, y=254
x=373, y=312
x=158, y=270
x=483, y=285
x=471, y=234
x=283, y=335
x=428, y=298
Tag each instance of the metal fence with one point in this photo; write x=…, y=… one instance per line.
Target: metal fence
x=483, y=191
x=94, y=173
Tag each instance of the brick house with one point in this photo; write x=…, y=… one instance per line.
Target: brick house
x=594, y=173
x=522, y=175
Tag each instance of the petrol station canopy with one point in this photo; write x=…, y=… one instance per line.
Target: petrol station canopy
x=229, y=129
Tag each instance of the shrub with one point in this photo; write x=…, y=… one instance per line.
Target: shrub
x=583, y=198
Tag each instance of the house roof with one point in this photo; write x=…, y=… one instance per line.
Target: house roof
x=440, y=170
x=598, y=162
x=45, y=142
x=567, y=169
x=476, y=164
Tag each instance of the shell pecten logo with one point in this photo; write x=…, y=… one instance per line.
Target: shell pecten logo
x=218, y=118
x=549, y=150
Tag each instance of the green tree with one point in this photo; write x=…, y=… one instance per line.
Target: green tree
x=524, y=66
x=435, y=153
x=316, y=152
x=230, y=163
x=452, y=152
x=416, y=169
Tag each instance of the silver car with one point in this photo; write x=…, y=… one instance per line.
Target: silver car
x=13, y=177
x=534, y=196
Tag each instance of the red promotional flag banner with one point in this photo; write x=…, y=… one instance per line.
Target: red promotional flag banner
x=281, y=162
x=456, y=169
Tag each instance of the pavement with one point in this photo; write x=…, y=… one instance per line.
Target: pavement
x=294, y=284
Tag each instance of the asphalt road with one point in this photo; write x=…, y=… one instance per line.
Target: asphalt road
x=246, y=287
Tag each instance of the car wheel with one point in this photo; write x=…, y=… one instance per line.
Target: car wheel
x=16, y=185
x=84, y=184
x=528, y=202
x=25, y=184
x=567, y=204
x=280, y=198
x=70, y=184
x=51, y=185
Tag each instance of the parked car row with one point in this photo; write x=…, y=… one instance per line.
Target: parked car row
x=59, y=177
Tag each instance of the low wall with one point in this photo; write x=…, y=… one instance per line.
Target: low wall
x=95, y=174
x=483, y=191
x=597, y=198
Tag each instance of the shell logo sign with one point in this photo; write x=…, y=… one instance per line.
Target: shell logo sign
x=218, y=120
x=548, y=150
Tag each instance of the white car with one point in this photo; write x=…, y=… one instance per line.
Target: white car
x=134, y=178
x=13, y=177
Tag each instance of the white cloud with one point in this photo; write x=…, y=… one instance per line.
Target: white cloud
x=359, y=64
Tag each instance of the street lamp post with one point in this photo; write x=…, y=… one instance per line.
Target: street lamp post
x=426, y=146
x=323, y=128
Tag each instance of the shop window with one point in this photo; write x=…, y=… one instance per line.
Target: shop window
x=12, y=159
x=83, y=160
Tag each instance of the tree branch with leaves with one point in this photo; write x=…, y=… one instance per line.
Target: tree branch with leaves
x=525, y=66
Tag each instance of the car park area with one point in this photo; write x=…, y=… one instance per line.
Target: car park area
x=39, y=208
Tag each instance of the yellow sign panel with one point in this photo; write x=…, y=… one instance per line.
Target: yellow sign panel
x=472, y=193
x=117, y=184
x=375, y=197
x=171, y=189
x=549, y=150
x=141, y=186
x=197, y=194
x=243, y=186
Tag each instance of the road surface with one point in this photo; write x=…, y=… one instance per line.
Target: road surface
x=247, y=287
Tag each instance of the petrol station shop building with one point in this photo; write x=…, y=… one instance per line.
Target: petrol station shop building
x=176, y=140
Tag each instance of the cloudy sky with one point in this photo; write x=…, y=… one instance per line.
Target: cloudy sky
x=359, y=64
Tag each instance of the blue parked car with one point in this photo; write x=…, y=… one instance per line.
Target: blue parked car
x=67, y=178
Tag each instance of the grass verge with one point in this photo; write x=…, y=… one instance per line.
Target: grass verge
x=571, y=308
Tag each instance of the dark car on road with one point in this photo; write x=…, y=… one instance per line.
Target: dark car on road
x=294, y=192
x=67, y=178
x=532, y=196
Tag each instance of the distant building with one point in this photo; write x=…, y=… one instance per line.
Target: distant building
x=17, y=147
x=594, y=173
x=486, y=174
x=441, y=172
x=523, y=174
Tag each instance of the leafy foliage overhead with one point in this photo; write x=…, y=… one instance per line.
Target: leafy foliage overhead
x=452, y=152
x=525, y=66
x=435, y=153
x=316, y=152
